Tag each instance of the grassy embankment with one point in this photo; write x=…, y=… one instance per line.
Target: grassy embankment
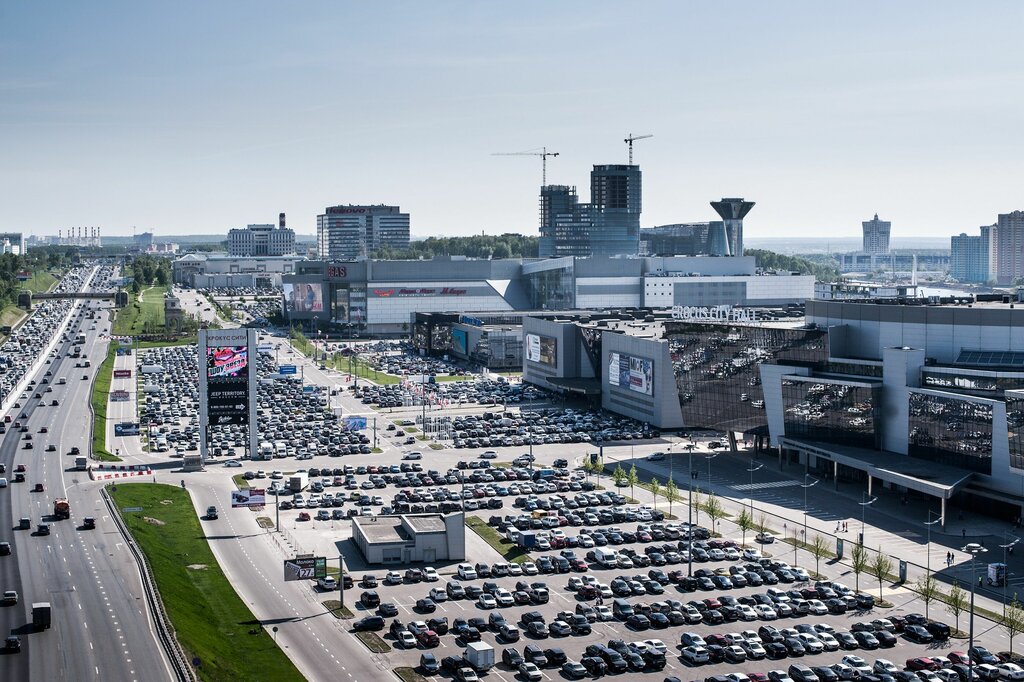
x=210, y=620
x=142, y=317
x=100, y=402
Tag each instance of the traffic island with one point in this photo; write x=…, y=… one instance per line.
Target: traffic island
x=210, y=621
x=337, y=610
x=373, y=642
x=407, y=674
x=508, y=550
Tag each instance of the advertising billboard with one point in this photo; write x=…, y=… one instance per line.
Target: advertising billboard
x=227, y=362
x=304, y=297
x=459, y=341
x=542, y=349
x=287, y=369
x=119, y=396
x=628, y=372
x=354, y=423
x=305, y=568
x=249, y=497
x=122, y=374
x=126, y=429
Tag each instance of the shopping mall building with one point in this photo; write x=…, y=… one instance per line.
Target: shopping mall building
x=384, y=296
x=923, y=399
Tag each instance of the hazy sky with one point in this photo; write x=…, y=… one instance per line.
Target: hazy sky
x=194, y=117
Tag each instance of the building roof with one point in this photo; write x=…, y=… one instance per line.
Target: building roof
x=384, y=530
x=431, y=523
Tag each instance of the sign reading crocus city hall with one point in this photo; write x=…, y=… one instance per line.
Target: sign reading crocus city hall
x=719, y=313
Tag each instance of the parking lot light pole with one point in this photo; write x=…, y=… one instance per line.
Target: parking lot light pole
x=805, y=485
x=752, y=470
x=974, y=549
x=929, y=523
x=864, y=504
x=689, y=507
x=1006, y=577
x=710, y=456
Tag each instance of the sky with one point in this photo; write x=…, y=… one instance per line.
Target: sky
x=196, y=117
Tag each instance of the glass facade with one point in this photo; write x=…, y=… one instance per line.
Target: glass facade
x=971, y=384
x=1015, y=429
x=716, y=367
x=951, y=431
x=830, y=412
x=552, y=289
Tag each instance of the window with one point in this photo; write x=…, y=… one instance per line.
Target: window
x=952, y=431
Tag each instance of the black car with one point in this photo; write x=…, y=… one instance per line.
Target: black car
x=428, y=664
x=917, y=633
x=885, y=638
x=556, y=657
x=775, y=650
x=425, y=605
x=511, y=657
x=534, y=654
x=980, y=654
x=866, y=640
x=370, y=599
x=594, y=665
x=388, y=610
x=846, y=640
x=939, y=630
x=638, y=622
x=368, y=623
x=794, y=646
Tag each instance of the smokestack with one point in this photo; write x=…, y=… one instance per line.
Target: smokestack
x=280, y=220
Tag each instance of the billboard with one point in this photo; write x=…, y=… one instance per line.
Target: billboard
x=122, y=374
x=634, y=374
x=126, y=429
x=304, y=297
x=227, y=362
x=542, y=349
x=248, y=497
x=119, y=396
x=287, y=369
x=306, y=568
x=459, y=341
x=355, y=423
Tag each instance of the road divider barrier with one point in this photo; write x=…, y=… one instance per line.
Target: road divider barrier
x=103, y=472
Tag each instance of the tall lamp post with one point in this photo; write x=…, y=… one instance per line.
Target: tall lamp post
x=689, y=507
x=1007, y=546
x=710, y=456
x=752, y=470
x=929, y=523
x=806, y=486
x=864, y=504
x=974, y=549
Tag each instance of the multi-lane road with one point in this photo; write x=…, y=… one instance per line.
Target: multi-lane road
x=101, y=627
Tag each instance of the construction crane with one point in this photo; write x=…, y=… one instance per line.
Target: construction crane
x=543, y=154
x=630, y=140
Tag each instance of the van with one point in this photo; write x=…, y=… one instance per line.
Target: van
x=621, y=608
x=62, y=380
x=606, y=557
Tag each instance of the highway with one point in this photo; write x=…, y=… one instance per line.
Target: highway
x=101, y=628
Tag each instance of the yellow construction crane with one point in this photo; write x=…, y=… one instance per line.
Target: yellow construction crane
x=630, y=140
x=543, y=154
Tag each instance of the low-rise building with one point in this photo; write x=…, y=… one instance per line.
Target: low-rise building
x=410, y=538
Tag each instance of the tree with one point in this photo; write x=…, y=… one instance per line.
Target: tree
x=859, y=562
x=599, y=466
x=588, y=465
x=671, y=493
x=880, y=567
x=928, y=590
x=620, y=476
x=762, y=523
x=819, y=549
x=714, y=509
x=1013, y=620
x=745, y=521
x=695, y=505
x=956, y=602
x=633, y=478
x=655, y=490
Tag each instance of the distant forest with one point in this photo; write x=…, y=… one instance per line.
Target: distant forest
x=477, y=246
x=769, y=260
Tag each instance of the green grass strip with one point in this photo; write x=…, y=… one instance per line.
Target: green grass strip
x=373, y=642
x=146, y=317
x=210, y=620
x=508, y=550
x=100, y=402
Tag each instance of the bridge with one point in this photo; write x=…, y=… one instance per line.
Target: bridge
x=76, y=294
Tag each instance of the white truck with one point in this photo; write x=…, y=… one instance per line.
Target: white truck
x=298, y=481
x=606, y=557
x=479, y=656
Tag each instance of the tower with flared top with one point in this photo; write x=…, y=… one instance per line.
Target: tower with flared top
x=732, y=212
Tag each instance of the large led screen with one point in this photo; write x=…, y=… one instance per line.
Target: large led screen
x=634, y=374
x=304, y=297
x=227, y=362
x=459, y=341
x=542, y=349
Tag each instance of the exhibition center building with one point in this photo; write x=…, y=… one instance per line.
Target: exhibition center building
x=922, y=398
x=383, y=297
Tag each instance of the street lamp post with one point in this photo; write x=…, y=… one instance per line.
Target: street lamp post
x=864, y=504
x=806, y=486
x=1006, y=577
x=929, y=523
x=710, y=456
x=974, y=549
x=689, y=507
x=752, y=470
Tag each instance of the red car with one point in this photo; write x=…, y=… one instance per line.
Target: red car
x=958, y=657
x=921, y=663
x=20, y=468
x=303, y=516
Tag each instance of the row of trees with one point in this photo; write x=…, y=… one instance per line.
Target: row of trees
x=507, y=245
x=37, y=259
x=769, y=260
x=147, y=270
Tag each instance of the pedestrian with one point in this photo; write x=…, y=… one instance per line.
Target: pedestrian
x=979, y=581
x=963, y=532
x=837, y=526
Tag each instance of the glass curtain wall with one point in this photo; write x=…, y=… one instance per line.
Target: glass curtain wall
x=951, y=431
x=830, y=412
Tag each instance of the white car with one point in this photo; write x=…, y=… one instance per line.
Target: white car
x=406, y=639
x=696, y=655
x=736, y=677
x=817, y=607
x=529, y=671
x=765, y=612
x=467, y=572
x=604, y=613
x=529, y=568
x=882, y=666
x=657, y=645
x=751, y=554
x=1010, y=671
x=515, y=570
x=430, y=575
x=437, y=594
x=232, y=463
x=857, y=663
x=504, y=598
x=811, y=643
x=486, y=601
x=746, y=613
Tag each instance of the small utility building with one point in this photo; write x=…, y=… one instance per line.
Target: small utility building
x=410, y=538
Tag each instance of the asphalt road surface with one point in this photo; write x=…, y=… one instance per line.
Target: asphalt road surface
x=101, y=628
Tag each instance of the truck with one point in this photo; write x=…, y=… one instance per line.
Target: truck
x=606, y=557
x=997, y=574
x=298, y=481
x=266, y=450
x=62, y=508
x=41, y=615
x=81, y=463
x=480, y=656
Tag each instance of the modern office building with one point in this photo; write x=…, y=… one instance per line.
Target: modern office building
x=1009, y=247
x=608, y=226
x=261, y=240
x=897, y=261
x=876, y=236
x=350, y=232
x=206, y=271
x=972, y=256
x=384, y=295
